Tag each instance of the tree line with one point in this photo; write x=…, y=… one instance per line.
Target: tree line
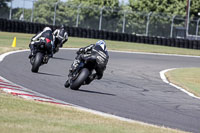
x=113, y=13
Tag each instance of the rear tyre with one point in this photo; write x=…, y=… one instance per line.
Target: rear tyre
x=37, y=62
x=80, y=79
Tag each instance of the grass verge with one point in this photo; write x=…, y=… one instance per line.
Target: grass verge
x=22, y=116
x=19, y=115
x=187, y=78
x=23, y=40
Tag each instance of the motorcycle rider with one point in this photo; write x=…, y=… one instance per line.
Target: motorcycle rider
x=61, y=37
x=44, y=36
x=99, y=51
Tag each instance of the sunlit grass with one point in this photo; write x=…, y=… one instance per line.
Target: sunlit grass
x=23, y=41
x=21, y=116
x=187, y=78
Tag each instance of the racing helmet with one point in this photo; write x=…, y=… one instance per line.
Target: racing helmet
x=62, y=26
x=102, y=44
x=47, y=28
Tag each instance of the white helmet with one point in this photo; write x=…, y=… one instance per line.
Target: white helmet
x=102, y=44
x=47, y=28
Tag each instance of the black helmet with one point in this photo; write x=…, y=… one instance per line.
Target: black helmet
x=62, y=26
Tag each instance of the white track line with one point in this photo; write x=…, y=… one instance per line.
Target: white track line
x=2, y=56
x=163, y=77
x=20, y=91
x=162, y=73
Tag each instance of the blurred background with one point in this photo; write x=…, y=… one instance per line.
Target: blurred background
x=161, y=18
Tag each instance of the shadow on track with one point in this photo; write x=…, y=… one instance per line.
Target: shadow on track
x=96, y=92
x=59, y=58
x=50, y=74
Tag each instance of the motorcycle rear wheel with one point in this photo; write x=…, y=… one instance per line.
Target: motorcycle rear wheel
x=37, y=62
x=76, y=84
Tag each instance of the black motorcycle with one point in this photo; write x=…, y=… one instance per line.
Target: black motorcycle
x=41, y=57
x=56, y=47
x=81, y=75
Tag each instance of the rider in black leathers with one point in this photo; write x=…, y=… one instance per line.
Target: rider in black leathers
x=86, y=53
x=45, y=35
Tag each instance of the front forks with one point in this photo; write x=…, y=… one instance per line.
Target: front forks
x=45, y=59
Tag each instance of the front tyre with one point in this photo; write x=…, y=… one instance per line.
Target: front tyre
x=67, y=84
x=80, y=79
x=37, y=62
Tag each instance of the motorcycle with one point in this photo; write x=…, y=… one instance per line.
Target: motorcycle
x=81, y=75
x=41, y=57
x=56, y=48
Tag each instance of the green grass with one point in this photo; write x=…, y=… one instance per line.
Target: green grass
x=23, y=116
x=6, y=40
x=23, y=40
x=187, y=78
x=18, y=115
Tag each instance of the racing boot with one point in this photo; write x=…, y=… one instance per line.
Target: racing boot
x=31, y=54
x=51, y=55
x=67, y=83
x=31, y=46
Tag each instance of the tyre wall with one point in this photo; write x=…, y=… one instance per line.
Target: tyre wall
x=32, y=28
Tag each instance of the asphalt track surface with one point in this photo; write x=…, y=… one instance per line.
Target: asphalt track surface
x=131, y=87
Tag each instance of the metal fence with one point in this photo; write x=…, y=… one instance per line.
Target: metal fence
x=102, y=18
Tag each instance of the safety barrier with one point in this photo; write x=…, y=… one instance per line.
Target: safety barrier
x=28, y=27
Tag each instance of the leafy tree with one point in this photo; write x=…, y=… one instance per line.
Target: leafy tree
x=3, y=3
x=160, y=12
x=101, y=3
x=194, y=8
x=17, y=12
x=44, y=11
x=159, y=6
x=173, y=7
x=91, y=10
x=66, y=14
x=163, y=10
x=4, y=9
x=136, y=14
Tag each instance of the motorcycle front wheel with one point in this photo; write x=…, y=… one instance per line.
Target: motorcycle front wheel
x=76, y=84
